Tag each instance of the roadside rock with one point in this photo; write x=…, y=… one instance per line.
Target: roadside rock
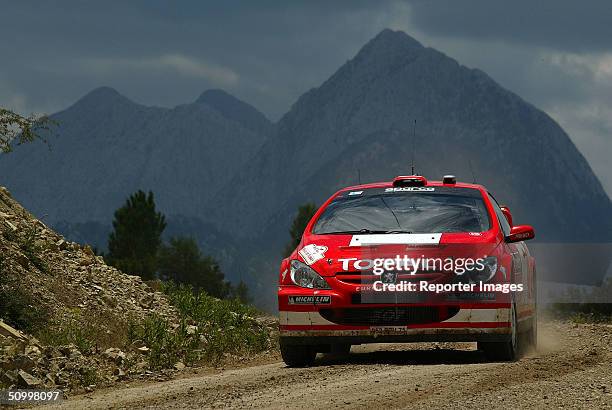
x=25, y=379
x=9, y=331
x=114, y=354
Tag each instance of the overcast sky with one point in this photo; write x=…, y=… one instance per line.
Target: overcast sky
x=555, y=54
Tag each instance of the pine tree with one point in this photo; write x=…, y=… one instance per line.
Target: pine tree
x=241, y=292
x=183, y=262
x=136, y=236
x=304, y=215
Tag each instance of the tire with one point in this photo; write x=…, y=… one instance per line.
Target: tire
x=340, y=349
x=504, y=351
x=297, y=355
x=532, y=334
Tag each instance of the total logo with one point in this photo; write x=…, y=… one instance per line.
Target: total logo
x=410, y=188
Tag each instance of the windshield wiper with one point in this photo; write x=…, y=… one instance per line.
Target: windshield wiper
x=354, y=232
x=363, y=231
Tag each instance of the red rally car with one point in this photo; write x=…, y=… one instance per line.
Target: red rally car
x=409, y=260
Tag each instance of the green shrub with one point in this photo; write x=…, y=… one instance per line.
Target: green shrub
x=18, y=308
x=75, y=331
x=32, y=250
x=227, y=326
x=88, y=375
x=208, y=329
x=167, y=345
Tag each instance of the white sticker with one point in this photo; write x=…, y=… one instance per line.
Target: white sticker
x=312, y=253
x=355, y=193
x=396, y=239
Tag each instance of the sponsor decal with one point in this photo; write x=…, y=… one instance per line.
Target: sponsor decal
x=411, y=189
x=312, y=253
x=355, y=193
x=310, y=300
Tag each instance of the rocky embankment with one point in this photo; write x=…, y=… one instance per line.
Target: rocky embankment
x=66, y=315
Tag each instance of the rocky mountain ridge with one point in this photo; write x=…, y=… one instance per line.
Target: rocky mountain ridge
x=106, y=147
x=361, y=121
x=233, y=180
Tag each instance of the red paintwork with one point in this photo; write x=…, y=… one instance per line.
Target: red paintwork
x=491, y=242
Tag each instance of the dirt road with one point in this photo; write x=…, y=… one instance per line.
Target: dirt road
x=573, y=368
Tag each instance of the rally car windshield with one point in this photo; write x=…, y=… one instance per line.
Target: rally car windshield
x=378, y=211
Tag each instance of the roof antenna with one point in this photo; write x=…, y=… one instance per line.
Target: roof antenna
x=413, y=144
x=472, y=171
x=358, y=176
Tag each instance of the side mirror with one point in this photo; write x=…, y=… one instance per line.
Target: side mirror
x=520, y=233
x=506, y=211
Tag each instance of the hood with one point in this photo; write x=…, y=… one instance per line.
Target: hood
x=328, y=254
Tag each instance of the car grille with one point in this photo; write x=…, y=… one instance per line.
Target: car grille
x=367, y=278
x=365, y=298
x=389, y=316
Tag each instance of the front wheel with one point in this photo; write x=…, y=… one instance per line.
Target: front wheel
x=504, y=351
x=342, y=349
x=297, y=355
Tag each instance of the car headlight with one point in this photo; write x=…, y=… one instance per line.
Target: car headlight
x=487, y=273
x=306, y=277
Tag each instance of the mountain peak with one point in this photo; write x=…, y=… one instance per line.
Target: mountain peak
x=389, y=36
x=389, y=51
x=234, y=109
x=215, y=96
x=391, y=41
x=103, y=96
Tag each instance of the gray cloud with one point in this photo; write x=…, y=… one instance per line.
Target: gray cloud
x=560, y=24
x=555, y=54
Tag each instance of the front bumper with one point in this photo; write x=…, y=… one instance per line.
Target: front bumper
x=310, y=339
x=319, y=320
x=468, y=325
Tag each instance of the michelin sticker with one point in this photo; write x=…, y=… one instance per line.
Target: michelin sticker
x=309, y=300
x=312, y=253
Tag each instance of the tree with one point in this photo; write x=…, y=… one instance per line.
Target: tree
x=182, y=261
x=14, y=127
x=136, y=236
x=304, y=215
x=241, y=292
